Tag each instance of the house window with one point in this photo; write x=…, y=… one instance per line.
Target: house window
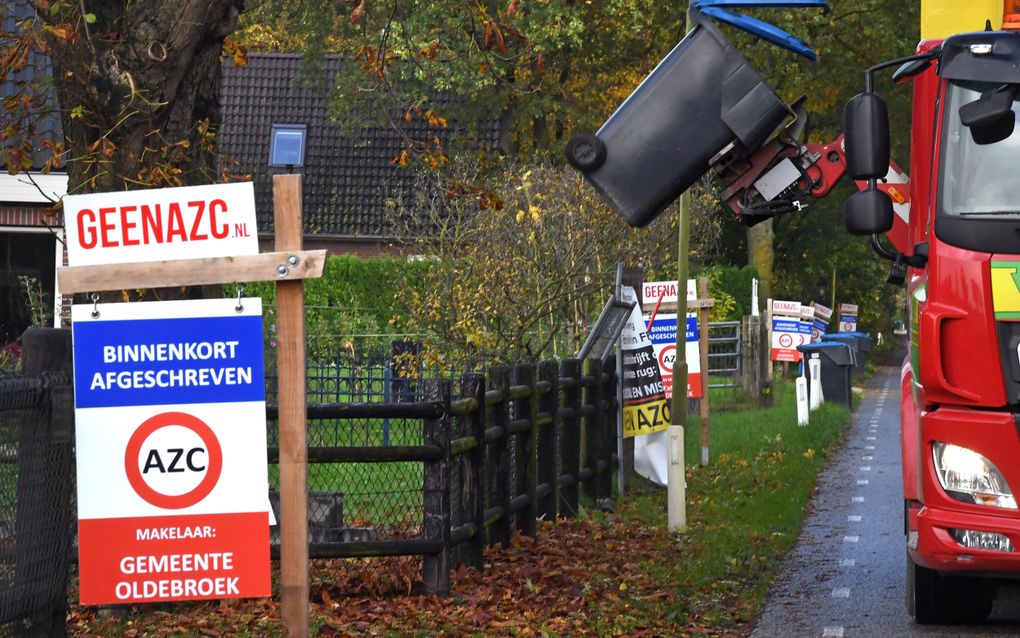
x=287, y=146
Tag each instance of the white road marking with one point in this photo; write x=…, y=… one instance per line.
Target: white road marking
x=851, y=539
x=869, y=447
x=848, y=562
x=865, y=468
x=867, y=457
x=854, y=518
x=857, y=499
x=841, y=592
x=832, y=632
x=862, y=481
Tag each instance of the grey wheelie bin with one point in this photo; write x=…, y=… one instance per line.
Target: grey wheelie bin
x=859, y=341
x=837, y=359
x=702, y=99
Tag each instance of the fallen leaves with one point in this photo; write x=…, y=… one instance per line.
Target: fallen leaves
x=577, y=578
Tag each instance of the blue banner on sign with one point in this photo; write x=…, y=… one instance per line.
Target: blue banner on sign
x=786, y=325
x=663, y=331
x=161, y=361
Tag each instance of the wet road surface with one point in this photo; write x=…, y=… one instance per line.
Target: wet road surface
x=845, y=577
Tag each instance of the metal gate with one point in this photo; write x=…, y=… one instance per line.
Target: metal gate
x=724, y=344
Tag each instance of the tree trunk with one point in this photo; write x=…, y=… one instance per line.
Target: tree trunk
x=760, y=254
x=138, y=90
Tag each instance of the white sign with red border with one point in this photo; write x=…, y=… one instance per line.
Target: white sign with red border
x=655, y=292
x=663, y=336
x=189, y=222
x=788, y=330
x=171, y=451
x=847, y=317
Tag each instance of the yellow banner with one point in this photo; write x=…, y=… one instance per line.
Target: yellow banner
x=943, y=18
x=1006, y=289
x=645, y=418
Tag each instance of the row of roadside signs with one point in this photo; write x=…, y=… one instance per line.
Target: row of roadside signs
x=169, y=407
x=793, y=324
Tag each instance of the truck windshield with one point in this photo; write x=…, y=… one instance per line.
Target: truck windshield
x=977, y=180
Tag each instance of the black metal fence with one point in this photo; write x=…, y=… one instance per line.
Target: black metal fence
x=36, y=503
x=445, y=476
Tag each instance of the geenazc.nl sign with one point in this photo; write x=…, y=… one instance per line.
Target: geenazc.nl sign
x=786, y=331
x=171, y=449
x=157, y=224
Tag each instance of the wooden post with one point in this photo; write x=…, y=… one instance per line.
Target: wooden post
x=590, y=399
x=526, y=470
x=472, y=479
x=436, y=515
x=500, y=460
x=703, y=331
x=606, y=430
x=290, y=309
x=548, y=375
x=570, y=437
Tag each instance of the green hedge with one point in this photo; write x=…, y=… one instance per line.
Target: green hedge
x=354, y=296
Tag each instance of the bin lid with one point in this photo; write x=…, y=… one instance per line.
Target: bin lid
x=839, y=352
x=763, y=30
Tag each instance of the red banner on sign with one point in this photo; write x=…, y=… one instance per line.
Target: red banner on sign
x=164, y=558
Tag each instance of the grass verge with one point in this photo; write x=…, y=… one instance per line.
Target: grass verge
x=602, y=574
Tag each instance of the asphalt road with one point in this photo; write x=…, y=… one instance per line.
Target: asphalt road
x=845, y=577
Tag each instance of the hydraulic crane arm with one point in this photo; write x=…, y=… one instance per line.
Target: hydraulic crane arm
x=786, y=173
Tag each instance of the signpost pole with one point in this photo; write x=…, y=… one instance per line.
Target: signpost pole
x=676, y=488
x=294, y=589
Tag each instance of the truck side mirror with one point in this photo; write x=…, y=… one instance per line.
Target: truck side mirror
x=868, y=212
x=866, y=128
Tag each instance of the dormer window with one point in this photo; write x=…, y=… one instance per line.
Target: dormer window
x=287, y=146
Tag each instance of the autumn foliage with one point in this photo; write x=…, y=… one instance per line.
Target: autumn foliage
x=579, y=577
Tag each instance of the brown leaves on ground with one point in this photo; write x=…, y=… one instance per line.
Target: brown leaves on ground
x=577, y=578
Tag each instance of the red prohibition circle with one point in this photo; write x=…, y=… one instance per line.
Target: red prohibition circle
x=785, y=340
x=168, y=501
x=668, y=350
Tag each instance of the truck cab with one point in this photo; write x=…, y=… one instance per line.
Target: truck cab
x=960, y=402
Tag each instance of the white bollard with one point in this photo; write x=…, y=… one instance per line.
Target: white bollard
x=802, y=401
x=815, y=365
x=676, y=481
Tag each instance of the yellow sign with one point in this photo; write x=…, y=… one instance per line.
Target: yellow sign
x=645, y=418
x=943, y=18
x=1006, y=289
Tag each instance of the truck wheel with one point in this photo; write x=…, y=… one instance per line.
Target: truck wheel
x=933, y=599
x=585, y=152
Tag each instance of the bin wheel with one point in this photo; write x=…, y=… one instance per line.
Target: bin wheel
x=586, y=152
x=933, y=599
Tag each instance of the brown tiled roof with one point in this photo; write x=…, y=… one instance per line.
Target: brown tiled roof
x=350, y=182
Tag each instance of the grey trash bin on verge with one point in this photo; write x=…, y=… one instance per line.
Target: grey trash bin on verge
x=859, y=341
x=837, y=360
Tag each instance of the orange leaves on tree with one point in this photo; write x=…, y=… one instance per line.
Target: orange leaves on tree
x=359, y=11
x=492, y=37
x=61, y=32
x=238, y=53
x=512, y=7
x=375, y=62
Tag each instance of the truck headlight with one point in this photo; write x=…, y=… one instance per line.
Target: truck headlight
x=969, y=477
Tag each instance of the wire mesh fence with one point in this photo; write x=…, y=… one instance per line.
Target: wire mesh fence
x=36, y=504
x=359, y=501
